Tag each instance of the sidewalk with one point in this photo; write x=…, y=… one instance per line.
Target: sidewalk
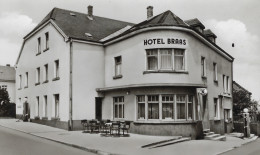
x=124, y=145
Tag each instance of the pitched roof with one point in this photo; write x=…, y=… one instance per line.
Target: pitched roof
x=75, y=24
x=194, y=22
x=208, y=32
x=166, y=18
x=7, y=73
x=237, y=87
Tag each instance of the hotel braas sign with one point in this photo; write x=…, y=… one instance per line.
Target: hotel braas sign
x=165, y=42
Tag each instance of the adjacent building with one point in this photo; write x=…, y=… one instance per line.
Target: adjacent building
x=167, y=76
x=7, y=80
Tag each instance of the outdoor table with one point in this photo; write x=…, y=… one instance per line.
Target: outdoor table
x=108, y=125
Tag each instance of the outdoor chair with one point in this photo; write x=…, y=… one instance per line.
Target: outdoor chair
x=94, y=126
x=125, y=126
x=85, y=124
x=115, y=127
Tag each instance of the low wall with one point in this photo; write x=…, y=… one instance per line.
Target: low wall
x=192, y=129
x=53, y=123
x=254, y=127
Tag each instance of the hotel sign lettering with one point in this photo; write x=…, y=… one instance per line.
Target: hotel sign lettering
x=165, y=42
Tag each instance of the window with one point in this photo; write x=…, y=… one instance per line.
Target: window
x=56, y=105
x=26, y=80
x=45, y=106
x=224, y=83
x=203, y=67
x=179, y=59
x=165, y=59
x=57, y=65
x=153, y=107
x=119, y=107
x=141, y=106
x=167, y=107
x=4, y=87
x=227, y=114
x=215, y=72
x=190, y=107
x=39, y=46
x=38, y=75
x=180, y=102
x=152, y=59
x=46, y=73
x=227, y=84
x=216, y=108
x=20, y=81
x=118, y=64
x=46, y=40
x=37, y=106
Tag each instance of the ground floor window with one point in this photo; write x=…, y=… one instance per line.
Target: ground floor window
x=56, y=106
x=119, y=111
x=45, y=106
x=153, y=107
x=216, y=108
x=165, y=107
x=37, y=106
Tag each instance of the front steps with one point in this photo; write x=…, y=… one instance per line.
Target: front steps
x=212, y=136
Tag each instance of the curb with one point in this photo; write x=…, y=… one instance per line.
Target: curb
x=252, y=139
x=64, y=143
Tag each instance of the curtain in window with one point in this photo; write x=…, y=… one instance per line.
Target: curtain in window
x=179, y=59
x=141, y=110
x=167, y=110
x=190, y=107
x=152, y=59
x=180, y=106
x=153, y=110
x=166, y=58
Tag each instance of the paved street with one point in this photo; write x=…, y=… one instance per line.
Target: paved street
x=14, y=142
x=252, y=148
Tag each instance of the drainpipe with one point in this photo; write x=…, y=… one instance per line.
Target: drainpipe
x=70, y=89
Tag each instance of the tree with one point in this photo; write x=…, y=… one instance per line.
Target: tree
x=241, y=100
x=7, y=109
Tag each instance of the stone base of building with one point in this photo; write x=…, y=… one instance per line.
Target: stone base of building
x=185, y=129
x=54, y=123
x=218, y=126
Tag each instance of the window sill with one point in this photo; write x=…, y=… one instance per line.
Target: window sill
x=19, y=89
x=46, y=81
x=117, y=77
x=38, y=54
x=165, y=71
x=44, y=118
x=46, y=49
x=38, y=83
x=55, y=79
x=55, y=118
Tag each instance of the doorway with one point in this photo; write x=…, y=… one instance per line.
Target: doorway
x=98, y=108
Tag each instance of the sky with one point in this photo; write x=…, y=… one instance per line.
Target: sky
x=233, y=21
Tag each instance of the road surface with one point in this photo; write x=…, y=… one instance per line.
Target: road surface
x=252, y=148
x=18, y=143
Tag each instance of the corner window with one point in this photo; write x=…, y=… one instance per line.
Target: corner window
x=141, y=106
x=119, y=107
x=167, y=107
x=215, y=72
x=153, y=107
x=56, y=105
x=39, y=45
x=203, y=67
x=165, y=59
x=180, y=102
x=46, y=40
x=118, y=64
x=216, y=108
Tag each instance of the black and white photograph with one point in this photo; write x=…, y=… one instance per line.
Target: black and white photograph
x=129, y=77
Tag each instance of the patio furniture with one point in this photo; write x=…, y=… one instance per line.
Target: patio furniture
x=86, y=125
x=115, y=126
x=105, y=126
x=125, y=126
x=94, y=126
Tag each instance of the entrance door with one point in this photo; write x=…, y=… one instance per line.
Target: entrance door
x=205, y=113
x=98, y=108
x=226, y=117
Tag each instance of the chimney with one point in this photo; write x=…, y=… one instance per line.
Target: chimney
x=90, y=12
x=149, y=12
